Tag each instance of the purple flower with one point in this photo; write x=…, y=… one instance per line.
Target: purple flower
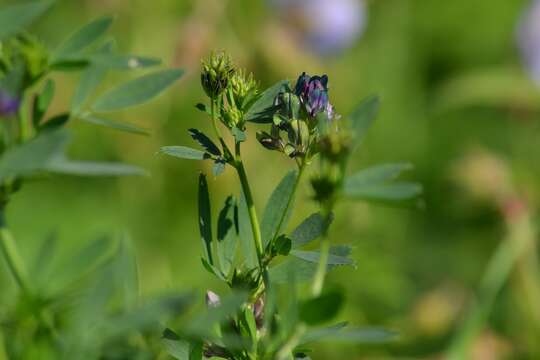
x=9, y=104
x=327, y=26
x=313, y=93
x=529, y=39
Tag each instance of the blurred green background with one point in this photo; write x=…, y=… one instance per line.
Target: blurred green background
x=456, y=102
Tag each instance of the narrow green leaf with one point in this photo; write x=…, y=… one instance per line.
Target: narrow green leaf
x=213, y=270
x=314, y=256
x=375, y=184
x=309, y=230
x=340, y=334
x=205, y=142
x=83, y=37
x=262, y=110
x=276, y=206
x=42, y=264
x=314, y=335
x=176, y=347
x=137, y=91
x=130, y=128
x=184, y=152
x=363, y=116
x=246, y=234
x=54, y=123
x=227, y=235
x=88, y=83
x=205, y=219
x=322, y=308
x=123, y=62
x=33, y=156
x=127, y=274
x=42, y=102
x=16, y=17
x=61, y=165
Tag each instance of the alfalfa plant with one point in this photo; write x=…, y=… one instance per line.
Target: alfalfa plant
x=258, y=257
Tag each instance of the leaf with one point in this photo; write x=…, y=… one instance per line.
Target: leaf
x=276, y=206
x=55, y=122
x=309, y=230
x=123, y=62
x=176, y=347
x=333, y=258
x=127, y=275
x=83, y=37
x=205, y=142
x=130, y=128
x=283, y=245
x=137, y=91
x=213, y=270
x=203, y=108
x=16, y=17
x=239, y=135
x=34, y=155
x=322, y=308
x=41, y=266
x=88, y=83
x=61, y=165
x=227, y=235
x=42, y=102
x=363, y=116
x=299, y=269
x=246, y=234
x=313, y=335
x=218, y=167
x=205, y=218
x=262, y=110
x=374, y=184
x=184, y=152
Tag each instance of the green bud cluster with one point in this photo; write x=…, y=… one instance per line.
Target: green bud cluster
x=216, y=74
x=243, y=88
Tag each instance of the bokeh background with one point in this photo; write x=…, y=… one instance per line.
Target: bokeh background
x=459, y=101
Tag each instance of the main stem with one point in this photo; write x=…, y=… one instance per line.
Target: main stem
x=11, y=254
x=255, y=228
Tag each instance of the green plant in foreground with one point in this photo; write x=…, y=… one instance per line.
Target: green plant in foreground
x=264, y=316
x=85, y=306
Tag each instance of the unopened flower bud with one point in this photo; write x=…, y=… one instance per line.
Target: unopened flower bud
x=243, y=86
x=216, y=74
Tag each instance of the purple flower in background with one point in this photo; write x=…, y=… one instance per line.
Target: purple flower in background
x=327, y=26
x=9, y=104
x=529, y=39
x=313, y=93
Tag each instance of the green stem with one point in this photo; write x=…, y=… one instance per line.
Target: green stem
x=318, y=281
x=13, y=259
x=215, y=118
x=255, y=227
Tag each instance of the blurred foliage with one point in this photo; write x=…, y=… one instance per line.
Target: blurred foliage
x=451, y=81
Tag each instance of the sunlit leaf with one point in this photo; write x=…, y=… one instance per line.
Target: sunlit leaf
x=184, y=152
x=137, y=91
x=264, y=108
